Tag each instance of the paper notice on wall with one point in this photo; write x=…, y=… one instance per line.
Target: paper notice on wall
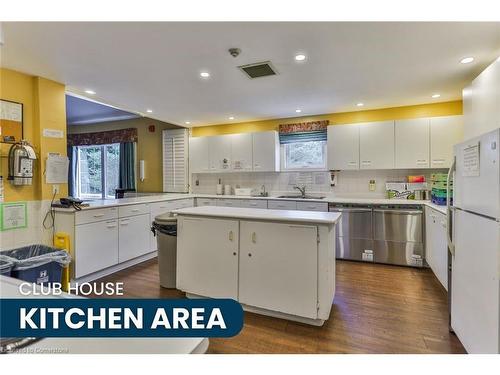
x=470, y=160
x=56, y=169
x=14, y=215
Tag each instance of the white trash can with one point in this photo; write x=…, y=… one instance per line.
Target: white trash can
x=165, y=230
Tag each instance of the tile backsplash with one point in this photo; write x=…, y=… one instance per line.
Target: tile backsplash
x=348, y=184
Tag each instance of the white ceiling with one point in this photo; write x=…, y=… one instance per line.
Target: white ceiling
x=137, y=66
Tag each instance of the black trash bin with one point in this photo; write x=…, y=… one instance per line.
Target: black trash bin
x=165, y=230
x=38, y=264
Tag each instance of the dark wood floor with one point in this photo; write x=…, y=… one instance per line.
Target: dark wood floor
x=377, y=309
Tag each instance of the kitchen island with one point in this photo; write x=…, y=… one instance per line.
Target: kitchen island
x=274, y=262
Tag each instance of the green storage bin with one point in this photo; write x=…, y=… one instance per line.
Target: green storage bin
x=440, y=193
x=435, y=177
x=440, y=185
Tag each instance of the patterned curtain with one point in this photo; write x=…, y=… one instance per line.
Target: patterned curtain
x=103, y=138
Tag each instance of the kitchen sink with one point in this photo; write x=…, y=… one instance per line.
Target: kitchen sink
x=299, y=197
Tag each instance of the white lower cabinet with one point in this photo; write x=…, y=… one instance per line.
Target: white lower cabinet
x=207, y=263
x=96, y=247
x=436, y=248
x=312, y=206
x=284, y=279
x=205, y=202
x=134, y=237
x=282, y=205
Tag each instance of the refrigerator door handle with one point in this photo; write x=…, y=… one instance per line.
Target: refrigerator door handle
x=449, y=212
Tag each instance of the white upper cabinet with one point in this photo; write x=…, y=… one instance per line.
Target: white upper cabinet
x=376, y=145
x=241, y=152
x=445, y=132
x=198, y=155
x=265, y=148
x=343, y=147
x=219, y=149
x=412, y=143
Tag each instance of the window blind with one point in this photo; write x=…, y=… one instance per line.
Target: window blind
x=175, y=161
x=303, y=137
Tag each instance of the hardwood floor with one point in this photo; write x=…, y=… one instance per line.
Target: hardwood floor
x=377, y=309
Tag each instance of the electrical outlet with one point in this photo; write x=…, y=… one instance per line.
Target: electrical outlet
x=55, y=189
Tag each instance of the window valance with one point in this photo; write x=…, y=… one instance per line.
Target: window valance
x=102, y=138
x=303, y=131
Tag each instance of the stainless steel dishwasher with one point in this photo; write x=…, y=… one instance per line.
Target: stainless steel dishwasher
x=354, y=232
x=398, y=235
x=391, y=234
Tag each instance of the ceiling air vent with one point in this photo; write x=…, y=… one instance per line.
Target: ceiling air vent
x=262, y=69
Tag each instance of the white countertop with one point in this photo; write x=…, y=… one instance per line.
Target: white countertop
x=260, y=214
x=102, y=203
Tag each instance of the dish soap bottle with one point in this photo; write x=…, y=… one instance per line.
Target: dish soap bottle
x=371, y=185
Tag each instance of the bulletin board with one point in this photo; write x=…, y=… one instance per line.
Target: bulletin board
x=11, y=121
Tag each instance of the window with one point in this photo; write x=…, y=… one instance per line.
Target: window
x=304, y=155
x=98, y=169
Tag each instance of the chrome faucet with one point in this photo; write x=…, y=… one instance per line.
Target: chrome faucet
x=301, y=189
x=263, y=192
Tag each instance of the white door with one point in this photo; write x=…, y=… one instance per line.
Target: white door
x=445, y=132
x=198, y=155
x=207, y=257
x=241, y=152
x=278, y=267
x=266, y=148
x=412, y=143
x=134, y=237
x=475, y=288
x=219, y=149
x=376, y=145
x=343, y=147
x=96, y=247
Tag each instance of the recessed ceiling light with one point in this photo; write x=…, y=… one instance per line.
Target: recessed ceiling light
x=298, y=110
x=360, y=104
x=204, y=74
x=149, y=110
x=467, y=60
x=300, y=57
x=90, y=92
x=231, y=118
x=187, y=122
x=436, y=96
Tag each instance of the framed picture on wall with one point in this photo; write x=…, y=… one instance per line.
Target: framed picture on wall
x=11, y=121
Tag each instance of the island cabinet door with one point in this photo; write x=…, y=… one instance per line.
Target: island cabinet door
x=207, y=257
x=278, y=267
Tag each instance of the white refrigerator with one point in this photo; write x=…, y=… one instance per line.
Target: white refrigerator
x=474, y=243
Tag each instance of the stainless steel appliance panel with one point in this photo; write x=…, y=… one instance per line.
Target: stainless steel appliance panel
x=400, y=253
x=352, y=248
x=401, y=225
x=355, y=222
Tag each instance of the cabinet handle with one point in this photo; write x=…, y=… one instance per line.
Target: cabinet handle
x=135, y=210
x=98, y=215
x=231, y=235
x=234, y=253
x=254, y=237
x=366, y=162
x=124, y=222
x=249, y=254
x=111, y=226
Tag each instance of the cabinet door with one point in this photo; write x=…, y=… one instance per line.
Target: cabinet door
x=440, y=249
x=343, y=147
x=134, y=237
x=241, y=152
x=376, y=145
x=282, y=205
x=412, y=143
x=198, y=155
x=445, y=132
x=230, y=203
x=278, y=267
x=266, y=150
x=219, y=149
x=207, y=257
x=205, y=202
x=430, y=225
x=96, y=247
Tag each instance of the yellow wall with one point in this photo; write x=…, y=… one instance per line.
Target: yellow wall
x=394, y=113
x=149, y=147
x=44, y=106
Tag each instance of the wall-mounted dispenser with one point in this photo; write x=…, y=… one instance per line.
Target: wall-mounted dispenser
x=21, y=156
x=142, y=170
